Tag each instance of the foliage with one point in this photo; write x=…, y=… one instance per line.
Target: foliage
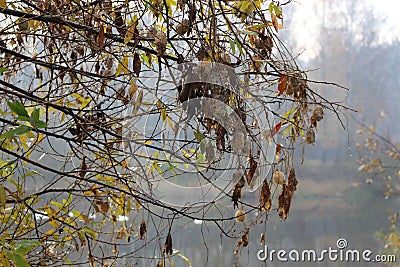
x=380, y=162
x=74, y=72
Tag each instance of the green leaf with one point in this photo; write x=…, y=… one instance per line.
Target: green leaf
x=18, y=259
x=17, y=131
x=41, y=124
x=22, y=118
x=28, y=174
x=250, y=33
x=3, y=70
x=274, y=9
x=35, y=114
x=18, y=108
x=233, y=47
x=25, y=246
x=239, y=46
x=171, y=167
x=199, y=136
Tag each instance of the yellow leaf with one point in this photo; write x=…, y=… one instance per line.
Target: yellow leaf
x=185, y=259
x=133, y=88
x=3, y=197
x=50, y=232
x=3, y=3
x=83, y=101
x=129, y=33
x=163, y=110
x=171, y=263
x=137, y=204
x=123, y=66
x=4, y=258
x=123, y=164
x=138, y=103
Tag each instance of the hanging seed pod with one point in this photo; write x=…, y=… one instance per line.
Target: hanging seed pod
x=183, y=27
x=240, y=216
x=310, y=136
x=318, y=113
x=279, y=177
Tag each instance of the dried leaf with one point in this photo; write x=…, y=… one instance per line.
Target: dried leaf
x=262, y=238
x=292, y=181
x=137, y=65
x=142, y=230
x=275, y=22
x=130, y=33
x=160, y=40
x=236, y=195
x=168, y=245
x=278, y=151
x=122, y=232
x=265, y=197
x=183, y=27
x=132, y=88
x=276, y=129
x=253, y=168
x=282, y=83
x=83, y=168
x=256, y=63
x=119, y=22
x=101, y=37
x=138, y=103
x=3, y=4
x=104, y=206
x=285, y=198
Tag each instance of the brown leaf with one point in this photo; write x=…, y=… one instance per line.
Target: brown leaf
x=183, y=27
x=132, y=88
x=236, y=195
x=282, y=83
x=119, y=23
x=83, y=168
x=104, y=206
x=262, y=238
x=276, y=129
x=168, y=245
x=244, y=241
x=210, y=153
x=101, y=37
x=275, y=22
x=142, y=230
x=240, y=183
x=278, y=151
x=292, y=181
x=160, y=40
x=265, y=197
x=285, y=198
x=253, y=168
x=122, y=232
x=137, y=65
